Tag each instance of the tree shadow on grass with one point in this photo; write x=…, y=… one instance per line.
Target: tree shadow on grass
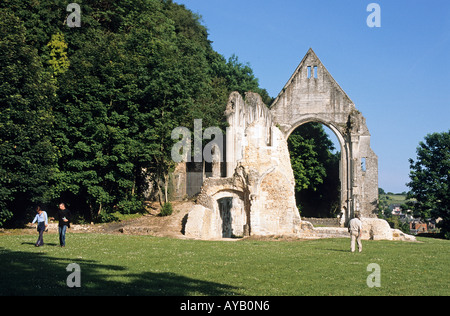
x=47, y=243
x=36, y=274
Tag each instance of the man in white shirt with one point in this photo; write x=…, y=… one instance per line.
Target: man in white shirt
x=355, y=230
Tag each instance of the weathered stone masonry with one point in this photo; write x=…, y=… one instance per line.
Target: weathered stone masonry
x=312, y=95
x=257, y=195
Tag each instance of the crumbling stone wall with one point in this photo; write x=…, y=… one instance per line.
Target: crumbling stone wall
x=257, y=195
x=261, y=176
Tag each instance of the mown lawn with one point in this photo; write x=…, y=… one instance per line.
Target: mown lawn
x=143, y=265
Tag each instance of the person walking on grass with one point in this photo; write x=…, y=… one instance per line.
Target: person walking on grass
x=64, y=223
x=355, y=230
x=42, y=223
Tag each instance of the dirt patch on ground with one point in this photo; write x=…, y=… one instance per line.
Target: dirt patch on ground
x=148, y=224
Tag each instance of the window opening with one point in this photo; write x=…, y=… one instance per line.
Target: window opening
x=363, y=164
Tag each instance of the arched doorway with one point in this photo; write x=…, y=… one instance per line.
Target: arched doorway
x=316, y=157
x=230, y=207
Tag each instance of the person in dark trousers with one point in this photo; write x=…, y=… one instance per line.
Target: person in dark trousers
x=64, y=223
x=42, y=223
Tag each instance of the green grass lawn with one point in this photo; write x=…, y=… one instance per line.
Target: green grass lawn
x=144, y=265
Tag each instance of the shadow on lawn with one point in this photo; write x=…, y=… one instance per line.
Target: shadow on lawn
x=35, y=274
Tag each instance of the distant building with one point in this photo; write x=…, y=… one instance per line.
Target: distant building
x=418, y=227
x=397, y=211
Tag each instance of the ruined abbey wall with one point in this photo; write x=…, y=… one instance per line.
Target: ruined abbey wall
x=257, y=197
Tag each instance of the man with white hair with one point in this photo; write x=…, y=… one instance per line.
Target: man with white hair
x=355, y=230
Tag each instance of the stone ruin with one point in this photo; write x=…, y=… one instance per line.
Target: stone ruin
x=256, y=197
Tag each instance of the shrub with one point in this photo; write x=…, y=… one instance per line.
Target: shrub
x=166, y=209
x=132, y=206
x=5, y=215
x=107, y=218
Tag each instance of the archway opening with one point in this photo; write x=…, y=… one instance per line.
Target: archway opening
x=230, y=208
x=225, y=206
x=315, y=158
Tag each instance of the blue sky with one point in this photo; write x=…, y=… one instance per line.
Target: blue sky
x=397, y=75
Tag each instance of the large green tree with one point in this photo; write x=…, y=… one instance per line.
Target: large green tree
x=27, y=154
x=106, y=97
x=430, y=179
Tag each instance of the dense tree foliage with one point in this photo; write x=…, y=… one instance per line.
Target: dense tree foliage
x=316, y=171
x=26, y=119
x=430, y=180
x=87, y=112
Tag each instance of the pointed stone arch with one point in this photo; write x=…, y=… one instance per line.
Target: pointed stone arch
x=314, y=96
x=343, y=163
